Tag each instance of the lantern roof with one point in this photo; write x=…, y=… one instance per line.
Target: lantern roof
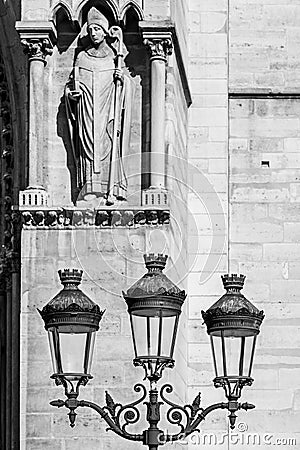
x=233, y=313
x=155, y=290
x=154, y=282
x=71, y=309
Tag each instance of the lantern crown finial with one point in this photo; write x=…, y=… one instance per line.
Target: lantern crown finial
x=233, y=281
x=233, y=313
x=70, y=276
x=155, y=262
x=71, y=305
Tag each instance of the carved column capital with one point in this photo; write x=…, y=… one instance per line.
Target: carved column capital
x=37, y=38
x=36, y=49
x=159, y=47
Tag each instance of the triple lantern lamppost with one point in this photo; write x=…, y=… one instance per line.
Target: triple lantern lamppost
x=154, y=306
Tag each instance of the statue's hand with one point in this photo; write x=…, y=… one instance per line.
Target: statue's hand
x=75, y=95
x=118, y=75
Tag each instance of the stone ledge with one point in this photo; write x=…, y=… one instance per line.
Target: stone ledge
x=69, y=218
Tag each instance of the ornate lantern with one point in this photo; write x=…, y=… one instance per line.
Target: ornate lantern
x=154, y=306
x=233, y=324
x=71, y=319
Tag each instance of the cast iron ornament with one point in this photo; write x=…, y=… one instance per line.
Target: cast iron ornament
x=233, y=310
x=233, y=316
x=71, y=307
x=152, y=295
x=119, y=417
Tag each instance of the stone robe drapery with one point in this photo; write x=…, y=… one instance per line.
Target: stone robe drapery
x=91, y=121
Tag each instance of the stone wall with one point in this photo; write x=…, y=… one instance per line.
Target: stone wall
x=251, y=50
x=111, y=260
x=264, y=241
x=264, y=41
x=208, y=202
x=262, y=188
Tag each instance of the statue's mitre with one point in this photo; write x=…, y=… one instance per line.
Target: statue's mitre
x=96, y=17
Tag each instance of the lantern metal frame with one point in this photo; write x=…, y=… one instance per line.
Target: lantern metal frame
x=187, y=417
x=67, y=311
x=154, y=296
x=233, y=316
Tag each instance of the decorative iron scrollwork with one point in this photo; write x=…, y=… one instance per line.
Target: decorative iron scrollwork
x=128, y=414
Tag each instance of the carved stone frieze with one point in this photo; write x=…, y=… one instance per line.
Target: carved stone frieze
x=63, y=218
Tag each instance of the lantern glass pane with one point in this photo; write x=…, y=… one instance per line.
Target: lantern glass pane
x=139, y=335
x=217, y=355
x=168, y=327
x=152, y=335
x=72, y=352
x=53, y=337
x=249, y=354
x=89, y=351
x=239, y=355
x=233, y=352
x=234, y=357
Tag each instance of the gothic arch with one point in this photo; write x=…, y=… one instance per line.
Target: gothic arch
x=131, y=5
x=60, y=7
x=108, y=7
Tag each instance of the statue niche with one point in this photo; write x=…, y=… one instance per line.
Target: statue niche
x=98, y=98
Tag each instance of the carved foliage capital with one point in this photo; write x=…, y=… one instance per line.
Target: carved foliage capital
x=159, y=47
x=36, y=48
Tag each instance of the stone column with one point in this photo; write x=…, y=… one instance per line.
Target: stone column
x=37, y=51
x=160, y=46
x=159, y=49
x=37, y=40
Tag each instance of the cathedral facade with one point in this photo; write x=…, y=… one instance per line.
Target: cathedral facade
x=136, y=127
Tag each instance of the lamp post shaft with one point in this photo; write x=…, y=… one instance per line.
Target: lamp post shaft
x=151, y=436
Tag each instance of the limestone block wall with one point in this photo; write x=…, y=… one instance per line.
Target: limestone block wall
x=264, y=41
x=208, y=201
x=256, y=178
x=264, y=241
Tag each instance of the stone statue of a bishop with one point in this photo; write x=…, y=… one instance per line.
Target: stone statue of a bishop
x=98, y=104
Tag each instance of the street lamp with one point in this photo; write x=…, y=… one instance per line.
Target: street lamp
x=154, y=306
x=71, y=319
x=233, y=324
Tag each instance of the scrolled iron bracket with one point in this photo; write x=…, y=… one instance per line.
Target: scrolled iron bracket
x=129, y=414
x=119, y=417
x=116, y=415
x=182, y=416
x=192, y=415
